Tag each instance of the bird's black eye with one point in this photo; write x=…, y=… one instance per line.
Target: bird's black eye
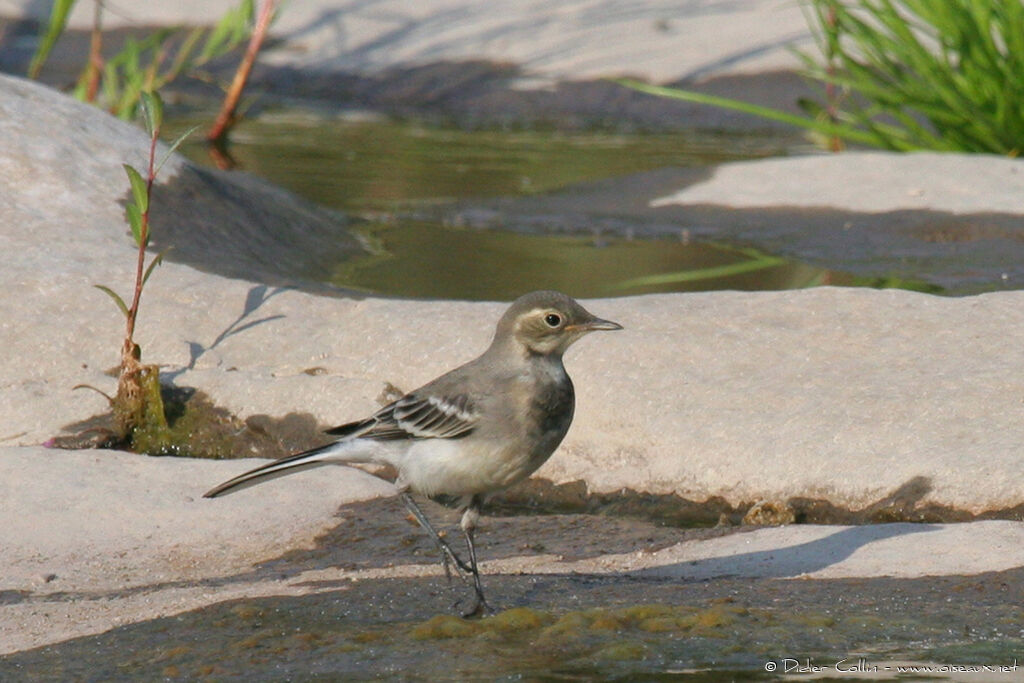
x=553, y=319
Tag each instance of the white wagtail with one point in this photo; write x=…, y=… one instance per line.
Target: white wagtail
x=474, y=430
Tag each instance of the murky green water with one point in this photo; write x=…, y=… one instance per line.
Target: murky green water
x=388, y=172
x=366, y=163
x=416, y=259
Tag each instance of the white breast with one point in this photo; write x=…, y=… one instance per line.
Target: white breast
x=436, y=466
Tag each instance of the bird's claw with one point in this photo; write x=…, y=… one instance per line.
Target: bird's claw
x=479, y=609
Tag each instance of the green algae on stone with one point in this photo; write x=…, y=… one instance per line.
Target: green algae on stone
x=628, y=650
x=444, y=626
x=659, y=625
x=603, y=620
x=510, y=621
x=569, y=625
x=256, y=640
x=192, y=425
x=141, y=416
x=648, y=611
x=368, y=637
x=246, y=611
x=711, y=618
x=517, y=619
x=815, y=620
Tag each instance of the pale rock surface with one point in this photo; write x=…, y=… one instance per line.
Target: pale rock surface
x=865, y=182
x=64, y=231
x=824, y=393
x=129, y=521
x=133, y=538
x=839, y=394
x=103, y=539
x=661, y=40
x=809, y=551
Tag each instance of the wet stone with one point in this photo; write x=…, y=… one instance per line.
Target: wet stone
x=557, y=626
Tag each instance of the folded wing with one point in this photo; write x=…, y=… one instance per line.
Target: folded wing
x=416, y=417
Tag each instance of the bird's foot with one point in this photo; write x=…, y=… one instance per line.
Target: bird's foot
x=479, y=608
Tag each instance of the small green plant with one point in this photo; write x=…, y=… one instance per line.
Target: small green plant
x=908, y=74
x=138, y=409
x=147, y=64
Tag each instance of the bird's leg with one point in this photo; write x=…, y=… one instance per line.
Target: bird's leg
x=448, y=555
x=469, y=520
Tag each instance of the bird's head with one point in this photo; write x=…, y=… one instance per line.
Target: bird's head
x=547, y=323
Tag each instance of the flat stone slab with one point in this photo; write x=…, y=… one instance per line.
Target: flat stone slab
x=136, y=530
x=129, y=538
x=657, y=39
x=947, y=221
x=834, y=394
x=841, y=396
x=810, y=551
x=865, y=182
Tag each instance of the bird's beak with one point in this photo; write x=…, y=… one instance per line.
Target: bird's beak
x=595, y=324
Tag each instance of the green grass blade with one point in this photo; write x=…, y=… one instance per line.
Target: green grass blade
x=113, y=295
x=54, y=29
x=229, y=31
x=184, y=57
x=823, y=127
x=761, y=262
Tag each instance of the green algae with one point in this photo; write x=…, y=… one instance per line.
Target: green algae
x=591, y=624
x=445, y=626
x=706, y=638
x=192, y=425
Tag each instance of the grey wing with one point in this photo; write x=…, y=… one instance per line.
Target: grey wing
x=416, y=417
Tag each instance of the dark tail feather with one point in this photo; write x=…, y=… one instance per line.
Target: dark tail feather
x=351, y=428
x=278, y=468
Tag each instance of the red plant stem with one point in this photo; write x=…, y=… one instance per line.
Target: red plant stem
x=133, y=310
x=226, y=118
x=95, y=54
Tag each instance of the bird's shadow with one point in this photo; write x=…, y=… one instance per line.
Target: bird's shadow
x=378, y=533
x=831, y=547
x=255, y=298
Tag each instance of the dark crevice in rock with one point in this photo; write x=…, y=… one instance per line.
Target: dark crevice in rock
x=541, y=496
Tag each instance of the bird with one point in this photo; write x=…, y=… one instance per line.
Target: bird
x=473, y=431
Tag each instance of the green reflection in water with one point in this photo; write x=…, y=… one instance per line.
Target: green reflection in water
x=372, y=166
x=371, y=163
x=417, y=259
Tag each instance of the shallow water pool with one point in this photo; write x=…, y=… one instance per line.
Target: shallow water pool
x=394, y=175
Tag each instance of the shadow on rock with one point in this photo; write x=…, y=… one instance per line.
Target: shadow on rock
x=789, y=561
x=237, y=225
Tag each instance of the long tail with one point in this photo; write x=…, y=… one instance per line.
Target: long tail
x=324, y=455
